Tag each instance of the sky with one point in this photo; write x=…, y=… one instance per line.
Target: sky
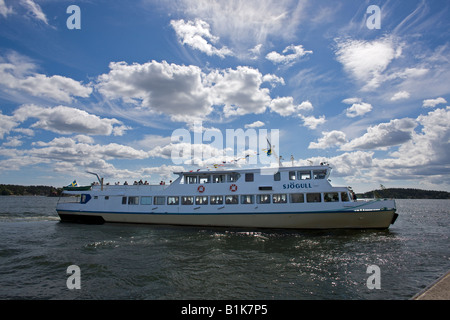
x=104, y=86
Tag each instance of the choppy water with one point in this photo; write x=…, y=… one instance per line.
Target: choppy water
x=164, y=262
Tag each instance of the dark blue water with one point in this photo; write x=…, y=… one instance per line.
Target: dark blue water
x=119, y=261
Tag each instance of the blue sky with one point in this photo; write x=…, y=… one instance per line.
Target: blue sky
x=373, y=102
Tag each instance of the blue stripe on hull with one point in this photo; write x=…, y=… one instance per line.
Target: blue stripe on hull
x=217, y=213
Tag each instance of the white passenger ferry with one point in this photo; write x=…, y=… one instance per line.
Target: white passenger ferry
x=293, y=198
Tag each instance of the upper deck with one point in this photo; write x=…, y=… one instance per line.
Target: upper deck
x=237, y=181
x=263, y=176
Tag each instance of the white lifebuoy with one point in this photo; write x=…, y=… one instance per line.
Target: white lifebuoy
x=233, y=187
x=201, y=189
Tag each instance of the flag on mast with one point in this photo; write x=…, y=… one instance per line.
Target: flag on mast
x=73, y=184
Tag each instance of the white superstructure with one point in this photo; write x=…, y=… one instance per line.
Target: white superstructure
x=293, y=197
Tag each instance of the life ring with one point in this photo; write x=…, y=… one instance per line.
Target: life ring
x=201, y=189
x=233, y=187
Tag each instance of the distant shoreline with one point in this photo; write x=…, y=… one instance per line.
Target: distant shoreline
x=18, y=190
x=394, y=193
x=405, y=193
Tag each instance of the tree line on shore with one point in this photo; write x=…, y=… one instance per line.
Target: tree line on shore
x=395, y=193
x=404, y=193
x=17, y=190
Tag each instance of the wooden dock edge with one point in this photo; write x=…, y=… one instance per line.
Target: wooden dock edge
x=438, y=290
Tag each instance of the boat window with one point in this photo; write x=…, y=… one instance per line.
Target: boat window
x=218, y=178
x=313, y=197
x=146, y=200
x=231, y=200
x=297, y=198
x=186, y=200
x=133, y=200
x=279, y=198
x=201, y=200
x=304, y=175
x=160, y=200
x=204, y=179
x=233, y=177
x=277, y=176
x=331, y=197
x=106, y=197
x=191, y=179
x=173, y=201
x=124, y=200
x=247, y=199
x=291, y=175
x=216, y=199
x=263, y=198
x=249, y=177
x=344, y=196
x=320, y=174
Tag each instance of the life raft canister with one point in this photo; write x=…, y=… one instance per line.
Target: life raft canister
x=201, y=189
x=233, y=187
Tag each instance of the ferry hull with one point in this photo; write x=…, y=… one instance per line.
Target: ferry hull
x=373, y=219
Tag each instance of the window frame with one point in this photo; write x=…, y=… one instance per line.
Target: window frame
x=346, y=196
x=203, y=202
x=144, y=198
x=159, y=200
x=296, y=194
x=234, y=199
x=246, y=197
x=133, y=200
x=175, y=202
x=216, y=200
x=292, y=175
x=185, y=201
x=277, y=176
x=280, y=200
x=309, y=198
x=260, y=201
x=331, y=196
x=319, y=174
x=304, y=173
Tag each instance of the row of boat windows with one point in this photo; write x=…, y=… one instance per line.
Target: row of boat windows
x=249, y=177
x=234, y=199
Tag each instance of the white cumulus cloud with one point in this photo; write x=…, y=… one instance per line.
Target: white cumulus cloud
x=383, y=135
x=68, y=120
x=329, y=139
x=159, y=87
x=287, y=57
x=255, y=124
x=358, y=109
x=431, y=103
x=17, y=73
x=367, y=60
x=312, y=122
x=197, y=34
x=400, y=95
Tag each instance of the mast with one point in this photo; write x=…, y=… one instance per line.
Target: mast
x=100, y=180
